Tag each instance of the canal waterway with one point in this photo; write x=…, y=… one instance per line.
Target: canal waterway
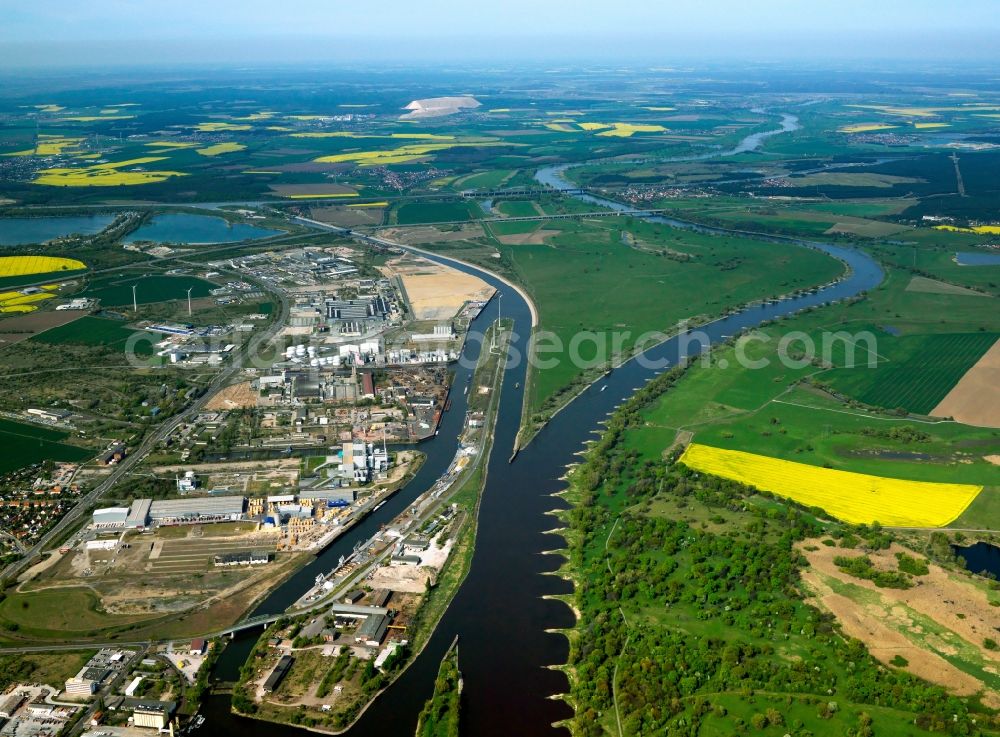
x=499, y=612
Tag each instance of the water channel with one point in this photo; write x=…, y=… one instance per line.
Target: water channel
x=499, y=611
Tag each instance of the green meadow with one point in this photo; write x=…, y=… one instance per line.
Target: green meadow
x=25, y=443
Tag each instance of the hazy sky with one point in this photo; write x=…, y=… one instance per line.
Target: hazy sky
x=241, y=31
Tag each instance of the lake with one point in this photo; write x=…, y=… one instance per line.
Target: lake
x=980, y=557
x=20, y=231
x=185, y=228
x=975, y=258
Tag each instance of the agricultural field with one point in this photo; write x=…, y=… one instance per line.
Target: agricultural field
x=575, y=272
x=436, y=212
x=25, y=443
x=90, y=330
x=116, y=291
x=517, y=208
x=914, y=372
x=18, y=302
x=850, y=497
x=32, y=265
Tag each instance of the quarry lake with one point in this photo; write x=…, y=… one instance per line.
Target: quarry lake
x=20, y=231
x=185, y=228
x=980, y=557
x=973, y=258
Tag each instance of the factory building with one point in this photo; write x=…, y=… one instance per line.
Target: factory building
x=138, y=514
x=279, y=672
x=245, y=558
x=109, y=517
x=207, y=509
x=11, y=703
x=153, y=714
x=372, y=630
x=86, y=682
x=331, y=497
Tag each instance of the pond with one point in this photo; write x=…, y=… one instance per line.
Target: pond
x=192, y=229
x=980, y=557
x=20, y=231
x=977, y=258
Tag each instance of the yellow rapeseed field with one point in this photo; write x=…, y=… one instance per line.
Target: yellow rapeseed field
x=106, y=175
x=49, y=146
x=17, y=302
x=980, y=229
x=349, y=134
x=620, y=130
x=95, y=118
x=852, y=497
x=336, y=195
x=25, y=265
x=370, y=204
x=221, y=148
x=215, y=126
x=400, y=155
x=865, y=127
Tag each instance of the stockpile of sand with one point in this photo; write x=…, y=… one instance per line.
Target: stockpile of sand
x=434, y=291
x=436, y=107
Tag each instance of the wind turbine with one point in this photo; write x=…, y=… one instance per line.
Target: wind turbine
x=189, y=301
x=135, y=303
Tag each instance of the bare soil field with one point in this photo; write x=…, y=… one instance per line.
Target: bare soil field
x=15, y=329
x=429, y=234
x=975, y=399
x=942, y=617
x=348, y=217
x=233, y=397
x=436, y=292
x=534, y=238
x=933, y=286
x=867, y=228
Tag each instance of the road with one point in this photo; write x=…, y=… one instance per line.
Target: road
x=162, y=431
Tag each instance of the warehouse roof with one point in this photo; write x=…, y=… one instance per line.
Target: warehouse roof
x=198, y=507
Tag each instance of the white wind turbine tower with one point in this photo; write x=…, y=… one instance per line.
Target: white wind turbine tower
x=189, y=301
x=135, y=302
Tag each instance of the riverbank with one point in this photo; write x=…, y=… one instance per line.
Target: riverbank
x=310, y=680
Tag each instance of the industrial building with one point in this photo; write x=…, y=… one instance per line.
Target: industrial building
x=154, y=714
x=331, y=497
x=86, y=682
x=10, y=703
x=145, y=512
x=279, y=672
x=246, y=558
x=372, y=630
x=206, y=509
x=380, y=597
x=109, y=517
x=138, y=514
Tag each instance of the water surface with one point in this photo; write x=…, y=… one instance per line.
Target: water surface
x=21, y=231
x=190, y=229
